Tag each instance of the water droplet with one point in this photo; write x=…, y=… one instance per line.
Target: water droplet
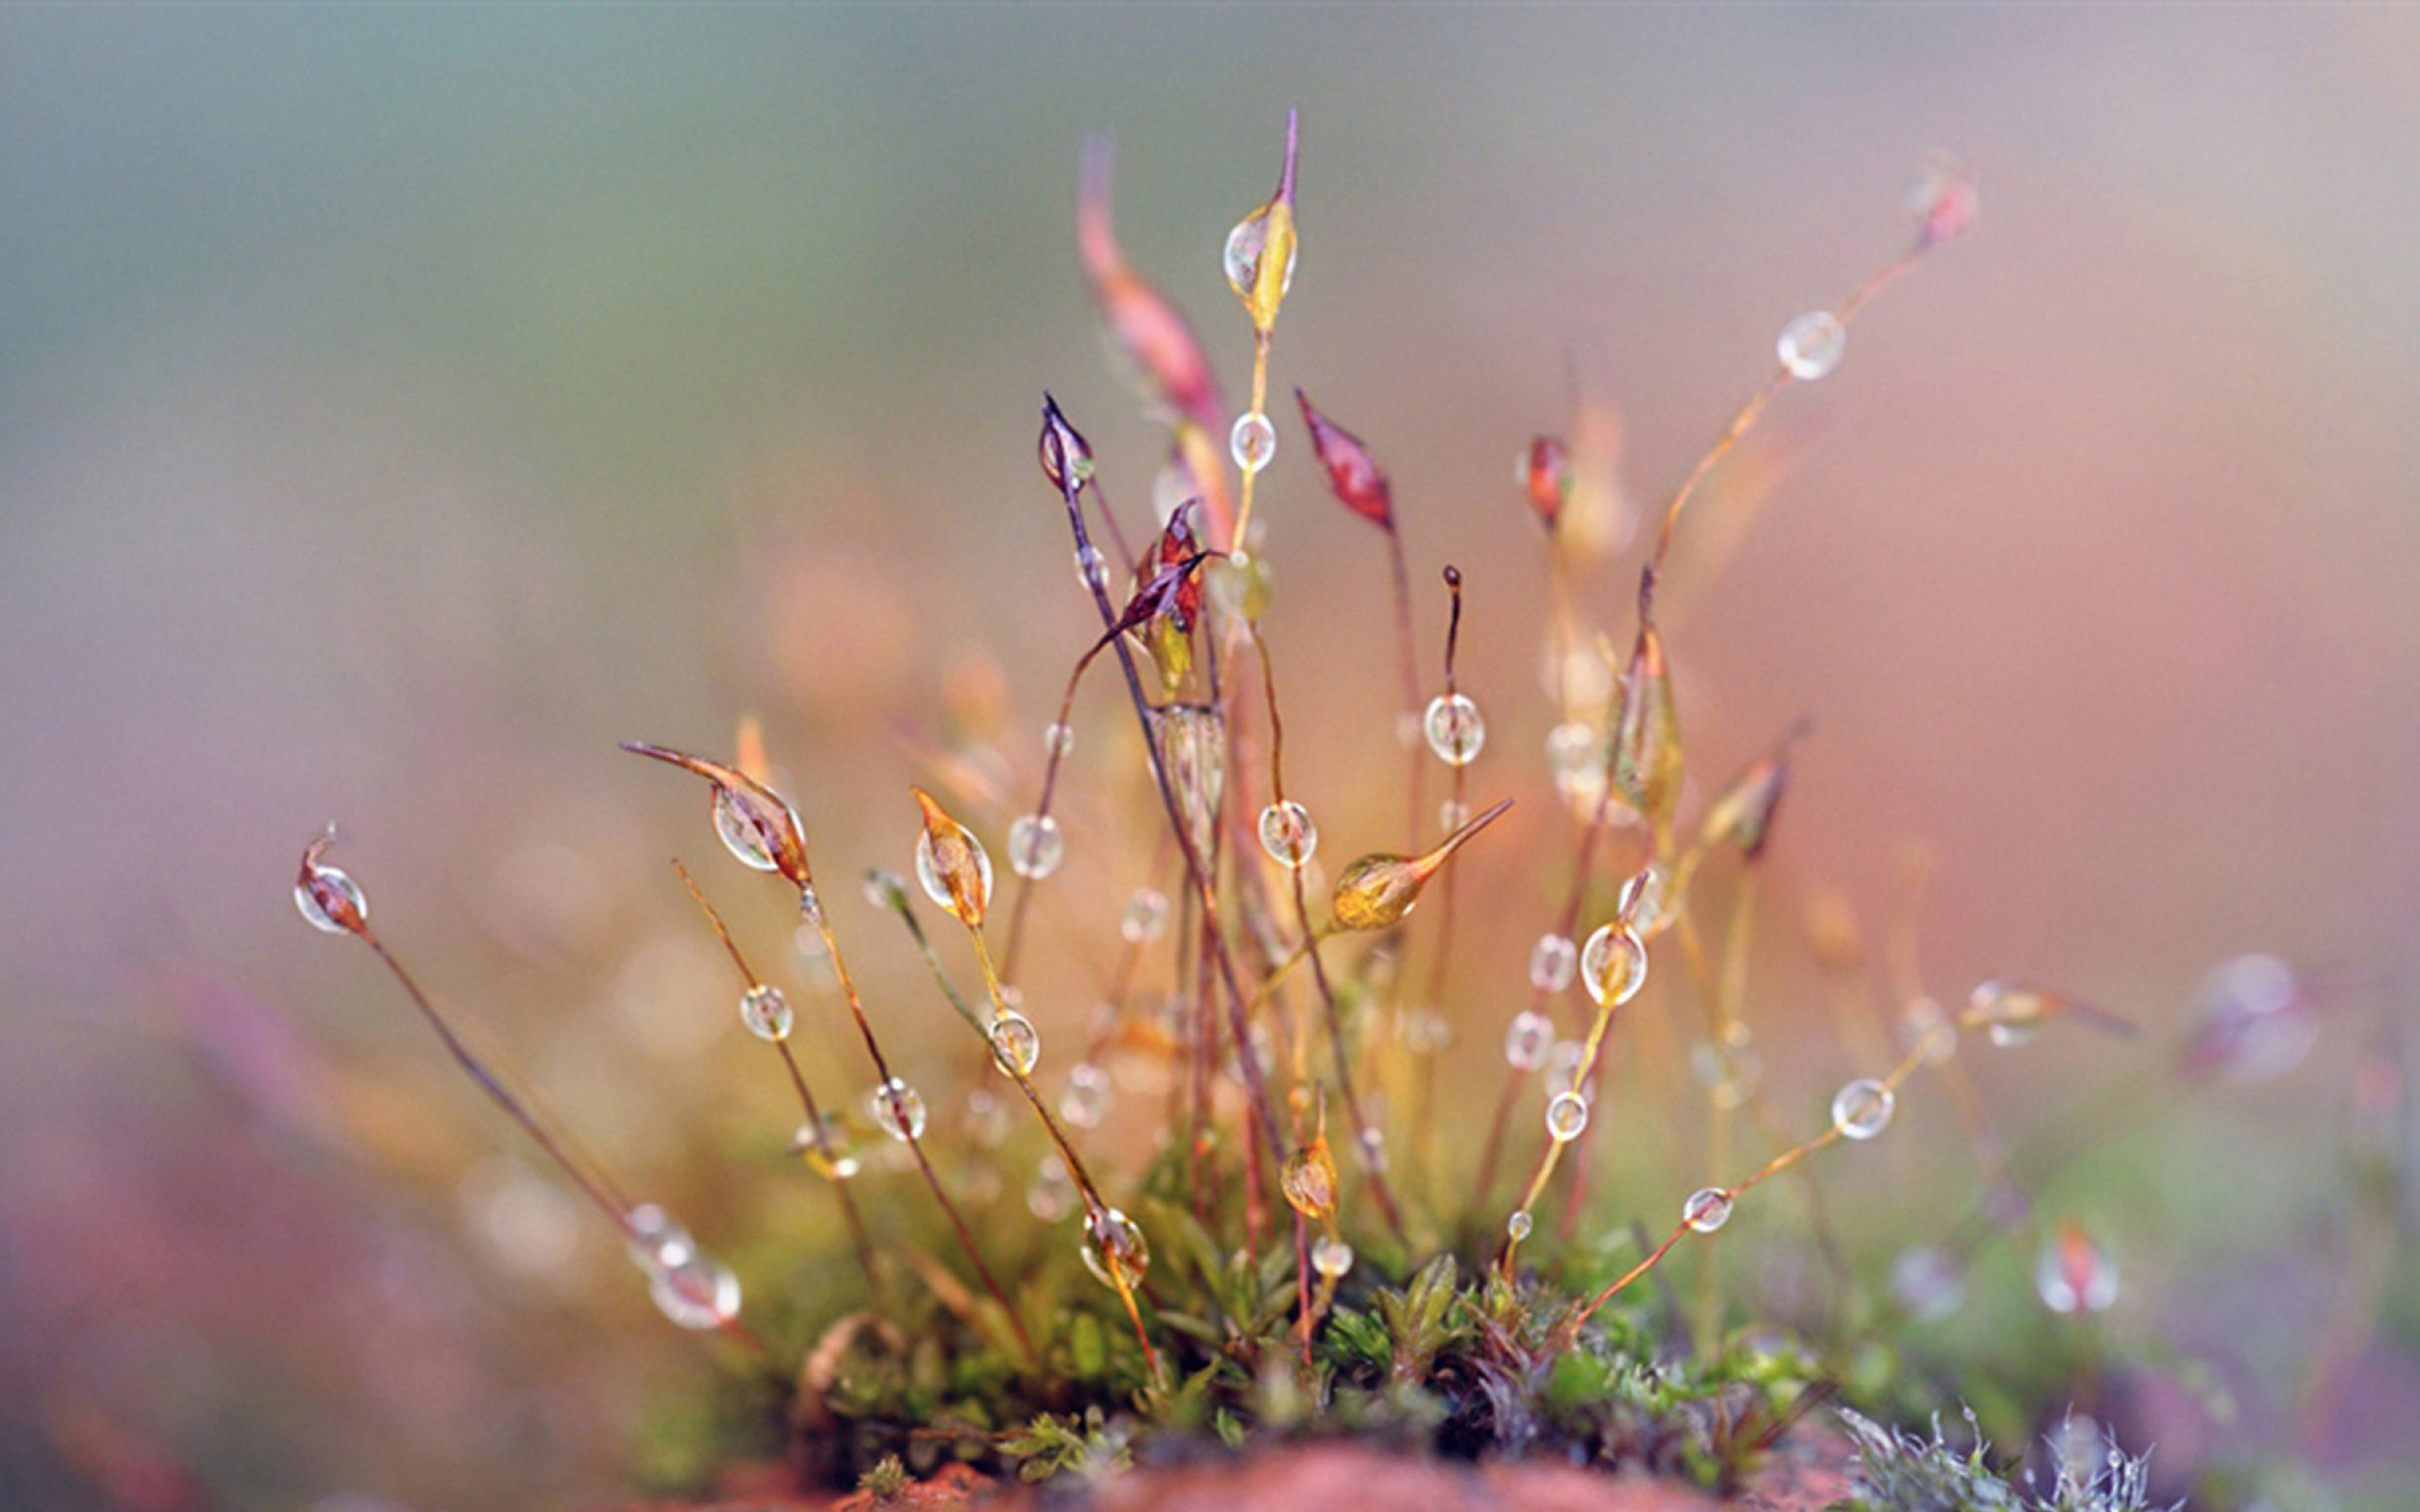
x=1145, y=918
x=1115, y=1250
x=1058, y=739
x=766, y=1012
x=1287, y=833
x=1863, y=1108
x=1241, y=256
x=1926, y=1031
x=1612, y=965
x=1084, y=1102
x=1015, y=1043
x=1646, y=902
x=1708, y=1210
x=1455, y=728
x=955, y=856
x=1193, y=751
x=2008, y=1012
x=1526, y=1041
x=898, y=1109
x=1331, y=1257
x=1554, y=960
x=1091, y=568
x=1036, y=846
x=1810, y=346
x=1052, y=1196
x=1729, y=1068
x=1253, y=442
x=654, y=1237
x=748, y=830
x=1567, y=1116
x=1310, y=1179
x=1453, y=813
x=1519, y=1224
x=1925, y=1284
x=698, y=1292
x=2075, y=1275
x=330, y=900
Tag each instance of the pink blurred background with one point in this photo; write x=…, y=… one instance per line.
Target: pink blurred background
x=400, y=406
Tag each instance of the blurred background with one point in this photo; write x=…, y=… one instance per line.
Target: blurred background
x=398, y=406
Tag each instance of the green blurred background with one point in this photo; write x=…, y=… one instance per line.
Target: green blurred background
x=400, y=405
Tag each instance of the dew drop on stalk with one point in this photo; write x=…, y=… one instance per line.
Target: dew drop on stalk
x=1810, y=346
x=965, y=857
x=1519, y=1224
x=1553, y=962
x=1058, y=739
x=1646, y=902
x=1310, y=1179
x=1145, y=918
x=1017, y=1045
x=1612, y=965
x=1288, y=833
x=329, y=899
x=1253, y=442
x=2009, y=1013
x=654, y=1238
x=1331, y=1257
x=1036, y=846
x=1453, y=813
x=1526, y=1039
x=1943, y=201
x=1708, y=1210
x=898, y=1109
x=1115, y=1250
x=1084, y=1100
x=696, y=1292
x=1241, y=257
x=1091, y=568
x=1861, y=1109
x=766, y=1012
x=1455, y=728
x=750, y=835
x=1567, y=1116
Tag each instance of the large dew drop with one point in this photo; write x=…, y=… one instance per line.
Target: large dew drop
x=1017, y=1045
x=1288, y=833
x=330, y=900
x=1553, y=962
x=1810, y=346
x=766, y=1013
x=1612, y=965
x=898, y=1109
x=1708, y=1210
x=1863, y=1108
x=1455, y=728
x=1567, y=1116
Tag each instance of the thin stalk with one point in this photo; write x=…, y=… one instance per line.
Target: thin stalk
x=1364, y=1133
x=817, y=1133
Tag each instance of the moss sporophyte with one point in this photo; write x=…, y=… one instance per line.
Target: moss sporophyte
x=1266, y=1046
